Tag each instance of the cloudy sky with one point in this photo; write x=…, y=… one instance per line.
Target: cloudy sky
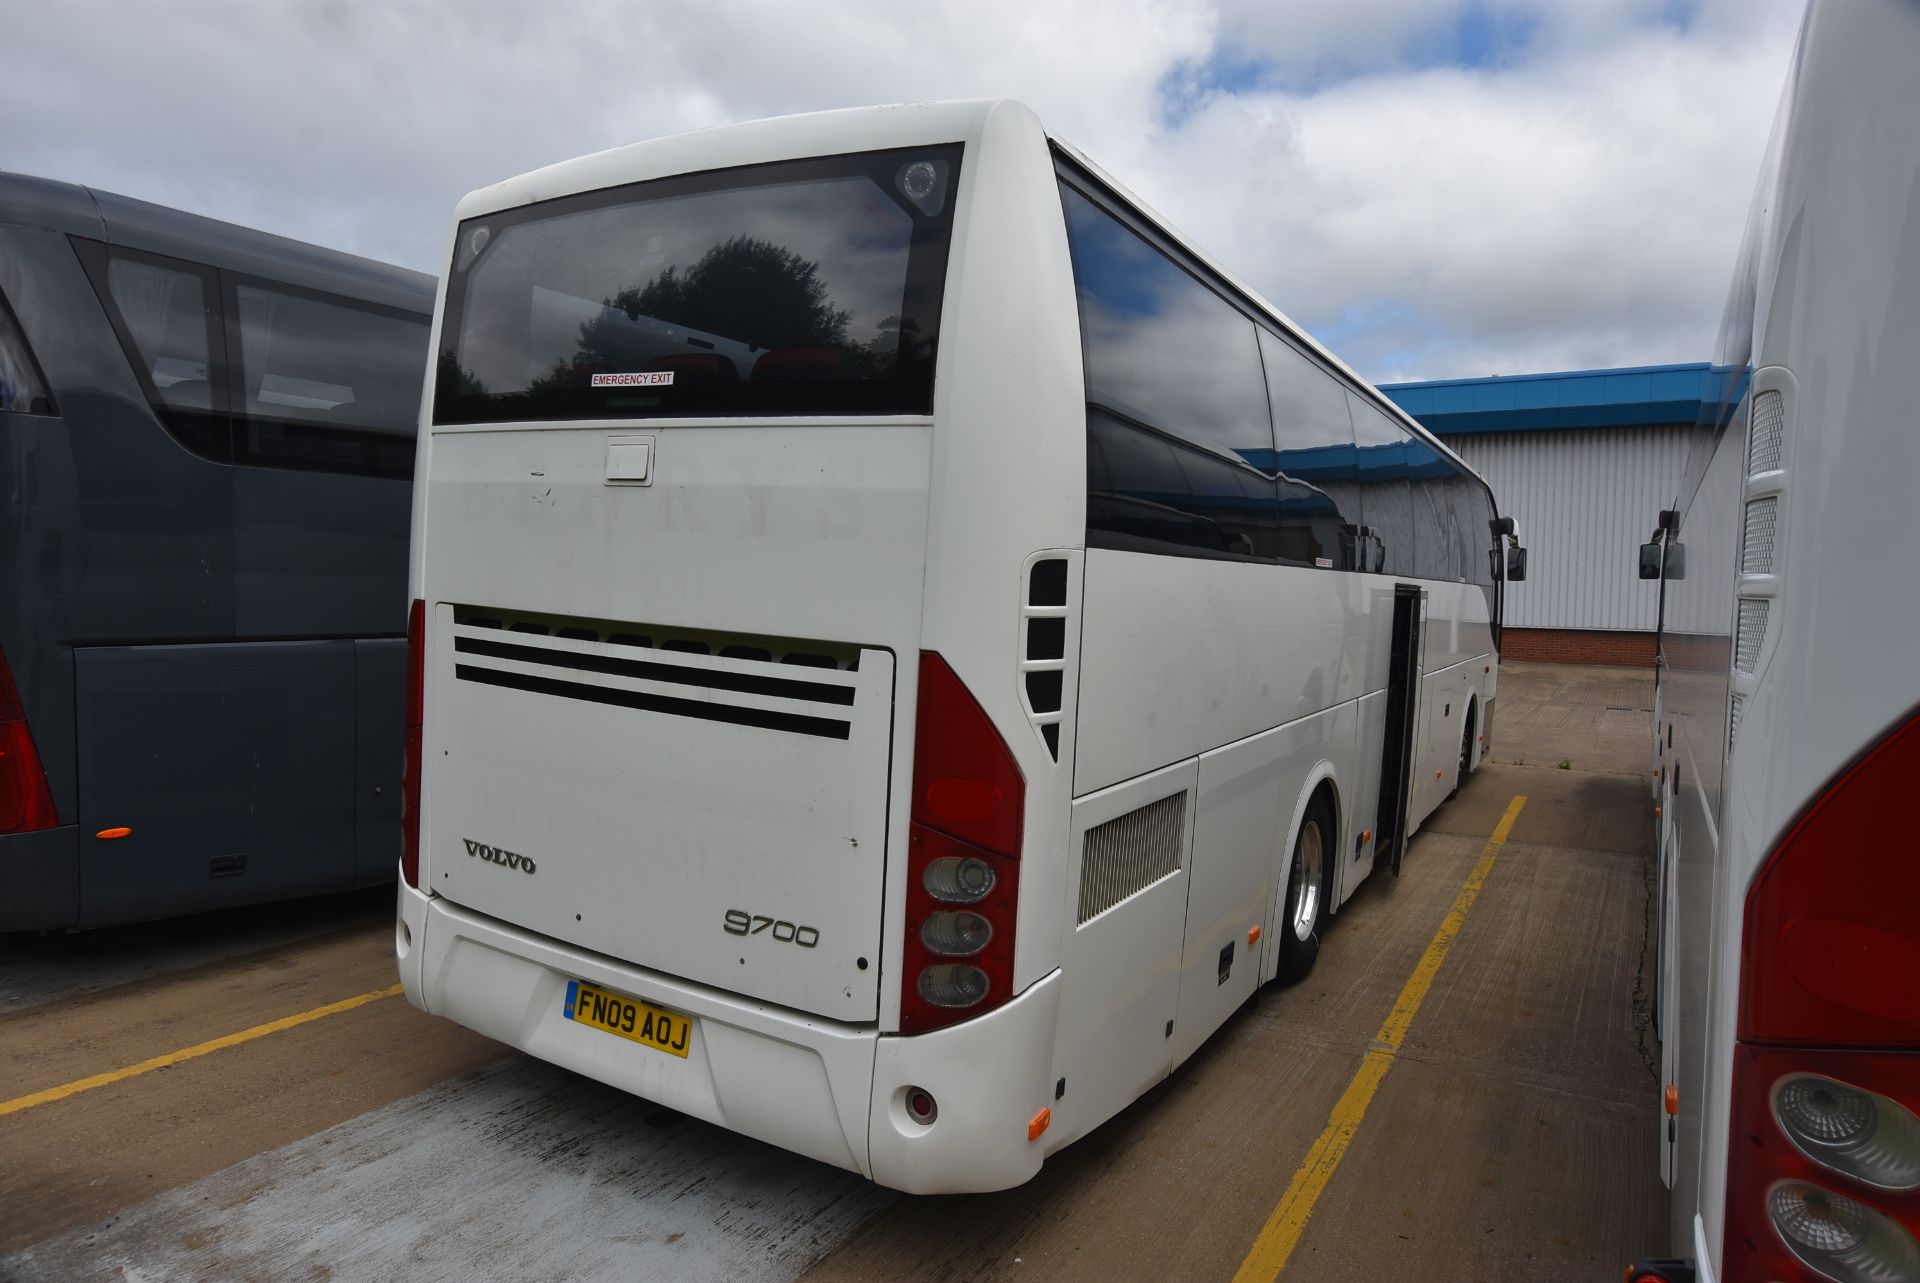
x=1436, y=188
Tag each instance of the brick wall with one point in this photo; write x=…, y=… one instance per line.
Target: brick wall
x=1572, y=646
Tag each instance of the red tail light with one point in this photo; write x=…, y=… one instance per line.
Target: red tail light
x=26, y=803
x=410, y=779
x=963, y=870
x=1824, y=1165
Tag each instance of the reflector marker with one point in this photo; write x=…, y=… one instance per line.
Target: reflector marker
x=1281, y=1234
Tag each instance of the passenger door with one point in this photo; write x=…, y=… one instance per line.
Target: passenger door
x=1397, y=762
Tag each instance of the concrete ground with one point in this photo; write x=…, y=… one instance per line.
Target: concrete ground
x=1512, y=1138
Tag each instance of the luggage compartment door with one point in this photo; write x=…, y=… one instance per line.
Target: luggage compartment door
x=231, y=764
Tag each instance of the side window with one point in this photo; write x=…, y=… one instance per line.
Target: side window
x=1477, y=517
x=1469, y=531
x=1431, y=476
x=164, y=308
x=1386, y=496
x=1314, y=459
x=311, y=360
x=323, y=384
x=1179, y=445
x=23, y=390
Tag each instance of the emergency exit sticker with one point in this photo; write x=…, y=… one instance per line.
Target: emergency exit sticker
x=642, y=379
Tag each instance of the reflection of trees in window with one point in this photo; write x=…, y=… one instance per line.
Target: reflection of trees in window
x=456, y=379
x=743, y=284
x=750, y=294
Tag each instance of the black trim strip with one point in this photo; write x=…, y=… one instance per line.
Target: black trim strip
x=747, y=683
x=825, y=727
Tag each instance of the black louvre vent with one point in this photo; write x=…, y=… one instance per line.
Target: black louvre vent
x=1047, y=584
x=1043, y=692
x=1046, y=639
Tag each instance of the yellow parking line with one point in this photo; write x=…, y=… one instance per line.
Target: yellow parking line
x=1281, y=1234
x=79, y=1085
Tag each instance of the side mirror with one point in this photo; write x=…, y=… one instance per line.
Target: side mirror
x=1516, y=563
x=1676, y=561
x=1501, y=525
x=1649, y=561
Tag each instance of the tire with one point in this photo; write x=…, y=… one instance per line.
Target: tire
x=1303, y=914
x=1466, y=756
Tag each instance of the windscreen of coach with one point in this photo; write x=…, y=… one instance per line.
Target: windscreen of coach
x=800, y=288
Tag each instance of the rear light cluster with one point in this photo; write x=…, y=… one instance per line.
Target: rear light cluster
x=410, y=776
x=963, y=858
x=26, y=803
x=1823, y=1176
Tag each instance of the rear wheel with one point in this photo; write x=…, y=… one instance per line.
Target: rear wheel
x=1466, y=754
x=1305, y=911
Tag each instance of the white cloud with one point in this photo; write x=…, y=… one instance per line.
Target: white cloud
x=1575, y=203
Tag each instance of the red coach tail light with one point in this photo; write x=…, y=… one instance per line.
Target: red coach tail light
x=1831, y=954
x=26, y=803
x=410, y=779
x=963, y=860
x=1824, y=1154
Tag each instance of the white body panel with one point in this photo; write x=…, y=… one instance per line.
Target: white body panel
x=1825, y=311
x=1251, y=688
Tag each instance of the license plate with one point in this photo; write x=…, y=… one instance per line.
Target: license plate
x=640, y=1022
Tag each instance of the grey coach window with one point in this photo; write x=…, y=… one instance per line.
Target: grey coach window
x=310, y=360
x=165, y=312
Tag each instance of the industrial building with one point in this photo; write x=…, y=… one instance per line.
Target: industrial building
x=1582, y=460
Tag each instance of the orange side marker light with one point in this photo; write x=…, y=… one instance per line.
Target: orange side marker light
x=1673, y=1098
x=1253, y=935
x=1039, y=1124
x=108, y=835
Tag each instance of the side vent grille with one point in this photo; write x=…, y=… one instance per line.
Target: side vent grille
x=684, y=641
x=1756, y=542
x=1760, y=546
x=1748, y=633
x=1769, y=419
x=1130, y=853
x=1043, y=666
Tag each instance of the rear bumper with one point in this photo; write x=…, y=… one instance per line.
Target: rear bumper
x=831, y=1091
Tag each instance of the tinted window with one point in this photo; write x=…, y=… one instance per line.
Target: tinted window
x=22, y=390
x=808, y=287
x=164, y=310
x=1386, y=497
x=1314, y=457
x=1432, y=477
x=1476, y=533
x=1179, y=448
x=1149, y=491
x=310, y=360
x=1161, y=347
